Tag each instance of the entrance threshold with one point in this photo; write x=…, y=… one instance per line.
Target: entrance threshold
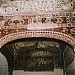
x=22, y=72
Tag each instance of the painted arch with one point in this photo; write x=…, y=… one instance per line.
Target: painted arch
x=30, y=34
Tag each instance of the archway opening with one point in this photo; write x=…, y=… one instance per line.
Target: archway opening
x=38, y=55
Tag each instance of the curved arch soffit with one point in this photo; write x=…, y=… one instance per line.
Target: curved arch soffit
x=30, y=34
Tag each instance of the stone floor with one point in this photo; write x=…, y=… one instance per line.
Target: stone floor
x=21, y=72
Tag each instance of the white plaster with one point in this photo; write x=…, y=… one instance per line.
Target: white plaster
x=40, y=26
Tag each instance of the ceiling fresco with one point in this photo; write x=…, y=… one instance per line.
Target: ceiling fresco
x=38, y=55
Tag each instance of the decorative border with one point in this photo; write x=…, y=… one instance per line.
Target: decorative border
x=30, y=34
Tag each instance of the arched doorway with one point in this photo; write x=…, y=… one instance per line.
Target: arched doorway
x=38, y=54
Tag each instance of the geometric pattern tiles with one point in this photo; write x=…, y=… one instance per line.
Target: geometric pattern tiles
x=31, y=16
